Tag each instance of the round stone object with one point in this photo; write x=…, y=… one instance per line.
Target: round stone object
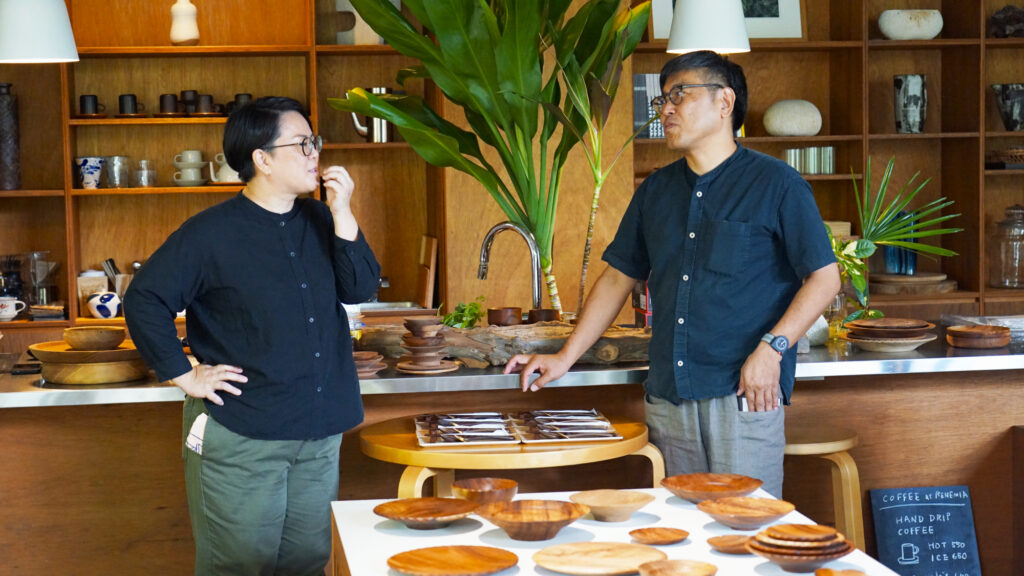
x=792, y=118
x=910, y=24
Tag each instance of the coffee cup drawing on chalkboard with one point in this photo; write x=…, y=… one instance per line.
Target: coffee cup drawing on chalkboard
x=908, y=555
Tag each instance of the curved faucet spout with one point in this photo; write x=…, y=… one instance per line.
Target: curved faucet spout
x=485, y=255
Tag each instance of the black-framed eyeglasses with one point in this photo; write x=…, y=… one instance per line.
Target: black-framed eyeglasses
x=675, y=95
x=307, y=145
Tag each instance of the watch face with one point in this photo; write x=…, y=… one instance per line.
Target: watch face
x=780, y=344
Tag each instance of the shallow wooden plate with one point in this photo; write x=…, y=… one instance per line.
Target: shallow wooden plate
x=444, y=366
x=366, y=355
x=61, y=352
x=612, y=505
x=745, y=513
x=887, y=323
x=798, y=563
x=678, y=567
x=891, y=332
x=979, y=331
x=426, y=513
x=730, y=543
x=453, y=561
x=768, y=541
x=801, y=532
x=831, y=572
x=707, y=486
x=659, y=536
x=596, y=558
x=923, y=277
x=889, y=344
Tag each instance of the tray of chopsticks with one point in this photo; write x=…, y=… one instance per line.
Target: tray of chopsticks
x=464, y=428
x=557, y=426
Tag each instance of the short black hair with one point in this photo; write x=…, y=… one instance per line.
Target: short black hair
x=254, y=126
x=714, y=68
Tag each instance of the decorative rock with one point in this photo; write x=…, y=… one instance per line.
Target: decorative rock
x=1010, y=98
x=792, y=118
x=910, y=24
x=1007, y=23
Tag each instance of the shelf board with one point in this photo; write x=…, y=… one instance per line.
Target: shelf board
x=925, y=136
x=26, y=324
x=150, y=51
x=357, y=50
x=832, y=177
x=225, y=189
x=825, y=138
x=883, y=44
x=1003, y=295
x=758, y=45
x=1004, y=42
x=1004, y=172
x=957, y=297
x=1019, y=134
x=31, y=193
x=365, y=145
x=147, y=121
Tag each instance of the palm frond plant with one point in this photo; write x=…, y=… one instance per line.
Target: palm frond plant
x=489, y=58
x=888, y=224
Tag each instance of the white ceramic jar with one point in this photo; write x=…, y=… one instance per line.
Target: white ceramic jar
x=910, y=24
x=792, y=118
x=184, y=29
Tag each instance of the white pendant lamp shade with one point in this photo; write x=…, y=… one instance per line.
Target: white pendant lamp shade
x=715, y=25
x=35, y=31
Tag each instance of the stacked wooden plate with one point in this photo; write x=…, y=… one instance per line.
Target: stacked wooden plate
x=978, y=336
x=368, y=363
x=799, y=547
x=118, y=362
x=910, y=284
x=889, y=334
x=425, y=346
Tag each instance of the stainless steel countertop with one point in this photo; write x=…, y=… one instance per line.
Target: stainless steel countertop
x=821, y=362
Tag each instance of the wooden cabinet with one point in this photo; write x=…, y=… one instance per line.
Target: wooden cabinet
x=262, y=47
x=845, y=67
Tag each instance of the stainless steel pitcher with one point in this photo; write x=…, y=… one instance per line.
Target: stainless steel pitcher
x=376, y=130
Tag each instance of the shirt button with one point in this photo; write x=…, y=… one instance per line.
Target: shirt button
x=318, y=388
x=681, y=320
x=699, y=195
x=304, y=285
x=680, y=363
x=692, y=235
x=310, y=319
x=686, y=278
x=292, y=254
x=316, y=355
x=282, y=223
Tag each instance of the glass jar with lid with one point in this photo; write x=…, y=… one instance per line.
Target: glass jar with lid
x=1006, y=255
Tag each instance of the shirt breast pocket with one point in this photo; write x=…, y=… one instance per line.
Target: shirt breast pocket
x=728, y=246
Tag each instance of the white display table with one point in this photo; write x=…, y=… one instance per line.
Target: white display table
x=363, y=541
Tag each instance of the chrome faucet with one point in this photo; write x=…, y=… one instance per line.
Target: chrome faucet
x=485, y=254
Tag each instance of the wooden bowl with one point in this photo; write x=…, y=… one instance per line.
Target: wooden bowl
x=888, y=345
x=745, y=513
x=94, y=337
x=677, y=567
x=366, y=356
x=978, y=336
x=542, y=315
x=658, y=536
x=504, y=316
x=412, y=340
x=831, y=572
x=427, y=331
x=874, y=332
x=612, y=505
x=485, y=490
x=798, y=562
x=425, y=513
x=730, y=543
x=88, y=373
x=707, y=486
x=532, y=520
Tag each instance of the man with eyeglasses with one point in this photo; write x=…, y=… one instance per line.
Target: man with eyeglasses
x=262, y=277
x=738, y=265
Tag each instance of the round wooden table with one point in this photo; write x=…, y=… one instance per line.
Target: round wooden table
x=395, y=441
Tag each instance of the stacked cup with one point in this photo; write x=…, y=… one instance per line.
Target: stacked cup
x=426, y=347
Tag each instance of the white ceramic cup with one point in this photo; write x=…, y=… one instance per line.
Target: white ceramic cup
x=189, y=156
x=9, y=308
x=188, y=174
x=89, y=170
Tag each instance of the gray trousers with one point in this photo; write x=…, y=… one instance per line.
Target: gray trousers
x=712, y=435
x=259, y=507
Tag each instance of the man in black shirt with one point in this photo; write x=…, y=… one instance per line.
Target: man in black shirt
x=262, y=277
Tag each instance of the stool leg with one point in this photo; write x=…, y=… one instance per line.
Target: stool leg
x=411, y=483
x=651, y=452
x=846, y=497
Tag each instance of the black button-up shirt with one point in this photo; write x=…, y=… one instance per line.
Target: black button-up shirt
x=262, y=291
x=724, y=258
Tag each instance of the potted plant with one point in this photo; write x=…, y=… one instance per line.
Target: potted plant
x=489, y=58
x=891, y=224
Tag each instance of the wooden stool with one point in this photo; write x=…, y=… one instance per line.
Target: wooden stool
x=395, y=441
x=832, y=444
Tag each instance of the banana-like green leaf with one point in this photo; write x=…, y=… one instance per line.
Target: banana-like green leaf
x=567, y=38
x=409, y=72
x=595, y=34
x=519, y=67
x=415, y=107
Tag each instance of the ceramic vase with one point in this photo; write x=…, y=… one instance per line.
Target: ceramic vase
x=910, y=102
x=10, y=167
x=910, y=24
x=1010, y=98
x=184, y=29
x=792, y=118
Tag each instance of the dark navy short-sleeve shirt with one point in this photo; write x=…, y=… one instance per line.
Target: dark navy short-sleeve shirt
x=723, y=259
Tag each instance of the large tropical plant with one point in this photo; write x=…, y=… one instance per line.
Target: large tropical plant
x=503, y=62
x=891, y=224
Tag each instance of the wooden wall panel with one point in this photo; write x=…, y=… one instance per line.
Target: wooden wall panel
x=37, y=88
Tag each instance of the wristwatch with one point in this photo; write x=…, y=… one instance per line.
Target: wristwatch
x=778, y=343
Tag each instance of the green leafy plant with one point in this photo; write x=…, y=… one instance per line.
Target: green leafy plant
x=489, y=58
x=891, y=224
x=464, y=315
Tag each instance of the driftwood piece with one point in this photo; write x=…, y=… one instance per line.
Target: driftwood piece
x=495, y=345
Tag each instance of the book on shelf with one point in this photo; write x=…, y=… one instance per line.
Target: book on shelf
x=646, y=87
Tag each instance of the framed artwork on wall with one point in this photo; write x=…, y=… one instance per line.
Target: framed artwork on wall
x=775, y=19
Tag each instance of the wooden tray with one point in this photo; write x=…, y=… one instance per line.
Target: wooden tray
x=94, y=372
x=60, y=352
x=453, y=561
x=596, y=558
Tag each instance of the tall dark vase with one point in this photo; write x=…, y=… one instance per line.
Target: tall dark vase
x=10, y=166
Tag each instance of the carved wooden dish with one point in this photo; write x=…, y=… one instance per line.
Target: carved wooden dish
x=425, y=513
x=453, y=561
x=485, y=490
x=707, y=486
x=745, y=513
x=678, y=567
x=596, y=558
x=532, y=520
x=730, y=543
x=612, y=505
x=659, y=536
x=94, y=337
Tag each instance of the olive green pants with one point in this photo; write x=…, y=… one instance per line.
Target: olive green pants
x=259, y=507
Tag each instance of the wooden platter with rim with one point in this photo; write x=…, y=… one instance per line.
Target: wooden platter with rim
x=981, y=336
x=60, y=352
x=453, y=561
x=596, y=558
x=425, y=513
x=659, y=536
x=90, y=373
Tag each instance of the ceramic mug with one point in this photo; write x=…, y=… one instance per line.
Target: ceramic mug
x=89, y=170
x=9, y=308
x=188, y=174
x=189, y=156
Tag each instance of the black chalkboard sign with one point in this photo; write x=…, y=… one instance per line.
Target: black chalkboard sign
x=926, y=531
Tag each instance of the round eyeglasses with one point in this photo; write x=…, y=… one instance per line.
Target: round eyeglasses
x=675, y=95
x=307, y=145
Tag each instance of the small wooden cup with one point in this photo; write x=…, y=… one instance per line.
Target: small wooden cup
x=509, y=316
x=542, y=315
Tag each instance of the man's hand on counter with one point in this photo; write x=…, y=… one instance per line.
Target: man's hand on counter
x=205, y=381
x=550, y=366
